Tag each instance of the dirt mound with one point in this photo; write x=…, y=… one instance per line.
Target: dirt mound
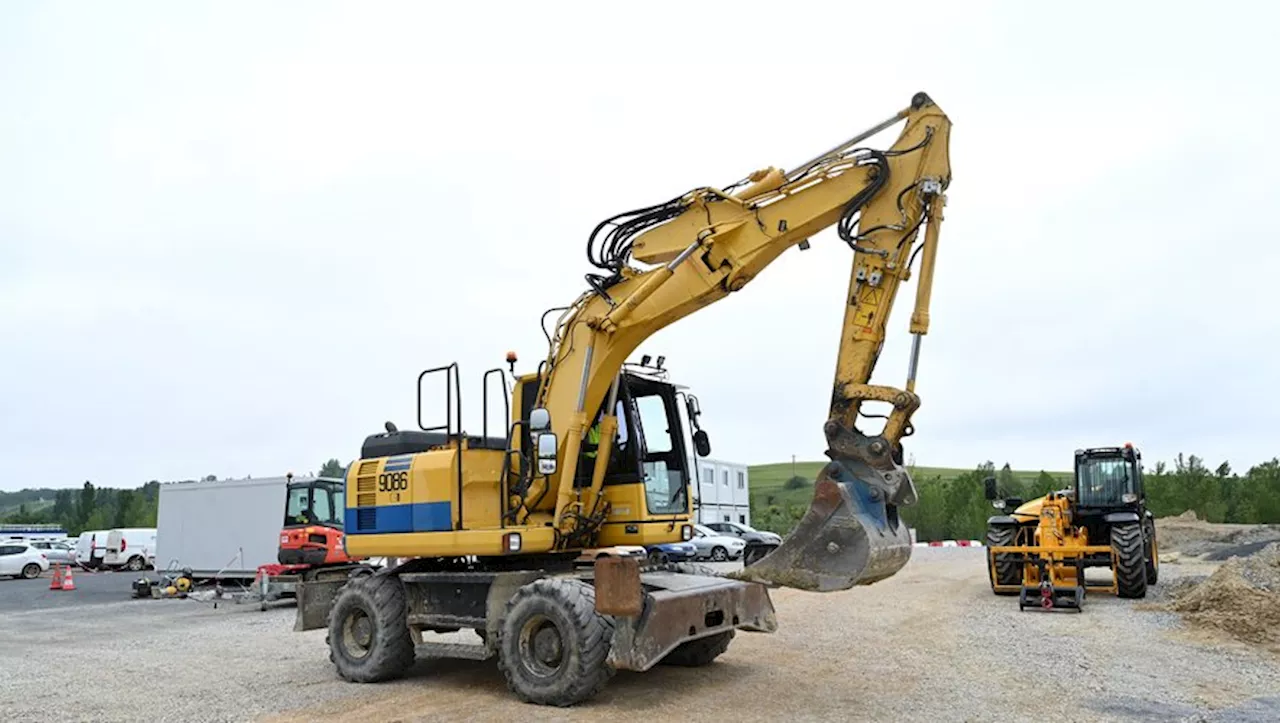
x=1188, y=535
x=1241, y=598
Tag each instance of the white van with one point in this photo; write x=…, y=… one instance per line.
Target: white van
x=133, y=548
x=91, y=548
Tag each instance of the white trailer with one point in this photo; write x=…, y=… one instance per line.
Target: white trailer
x=223, y=528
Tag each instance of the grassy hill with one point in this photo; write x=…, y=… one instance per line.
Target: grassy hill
x=32, y=506
x=769, y=480
x=775, y=506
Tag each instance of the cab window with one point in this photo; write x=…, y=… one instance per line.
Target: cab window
x=320, y=505
x=298, y=508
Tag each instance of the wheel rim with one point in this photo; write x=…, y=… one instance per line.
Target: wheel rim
x=31, y=571
x=357, y=634
x=719, y=554
x=541, y=646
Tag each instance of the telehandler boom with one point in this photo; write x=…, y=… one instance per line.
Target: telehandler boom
x=593, y=452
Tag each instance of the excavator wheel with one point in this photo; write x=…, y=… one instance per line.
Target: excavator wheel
x=553, y=645
x=368, y=637
x=1007, y=571
x=1131, y=563
x=702, y=651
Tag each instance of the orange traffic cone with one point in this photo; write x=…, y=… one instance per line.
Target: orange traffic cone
x=56, y=583
x=67, y=582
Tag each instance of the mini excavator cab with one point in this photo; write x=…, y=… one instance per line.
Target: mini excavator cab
x=313, y=517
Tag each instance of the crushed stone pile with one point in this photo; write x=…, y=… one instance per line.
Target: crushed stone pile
x=1241, y=598
x=1187, y=535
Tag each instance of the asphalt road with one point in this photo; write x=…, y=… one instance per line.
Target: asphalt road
x=91, y=589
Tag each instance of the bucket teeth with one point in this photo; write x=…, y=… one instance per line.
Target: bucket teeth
x=848, y=537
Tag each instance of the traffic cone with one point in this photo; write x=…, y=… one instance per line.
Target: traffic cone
x=56, y=583
x=67, y=582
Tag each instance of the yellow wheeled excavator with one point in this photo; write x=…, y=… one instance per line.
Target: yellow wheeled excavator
x=594, y=451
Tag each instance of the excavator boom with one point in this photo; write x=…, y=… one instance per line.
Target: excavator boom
x=708, y=243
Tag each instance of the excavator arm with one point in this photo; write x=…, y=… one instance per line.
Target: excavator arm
x=708, y=243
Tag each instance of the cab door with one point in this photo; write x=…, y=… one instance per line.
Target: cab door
x=661, y=451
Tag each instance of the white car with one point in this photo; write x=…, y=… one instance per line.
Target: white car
x=716, y=546
x=20, y=559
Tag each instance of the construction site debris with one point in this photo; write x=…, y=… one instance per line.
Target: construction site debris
x=1190, y=537
x=1241, y=598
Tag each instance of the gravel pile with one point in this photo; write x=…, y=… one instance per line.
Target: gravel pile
x=1241, y=598
x=1189, y=536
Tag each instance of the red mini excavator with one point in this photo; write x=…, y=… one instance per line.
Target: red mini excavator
x=312, y=533
x=311, y=548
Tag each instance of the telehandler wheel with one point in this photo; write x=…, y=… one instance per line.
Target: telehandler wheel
x=553, y=645
x=1007, y=571
x=1152, y=554
x=1131, y=564
x=697, y=653
x=368, y=637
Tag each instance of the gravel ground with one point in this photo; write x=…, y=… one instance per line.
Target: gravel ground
x=930, y=644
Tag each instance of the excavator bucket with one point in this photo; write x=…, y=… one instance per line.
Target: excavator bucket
x=847, y=537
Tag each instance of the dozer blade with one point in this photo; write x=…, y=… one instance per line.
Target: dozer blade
x=847, y=537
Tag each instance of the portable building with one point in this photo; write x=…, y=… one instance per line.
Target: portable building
x=222, y=528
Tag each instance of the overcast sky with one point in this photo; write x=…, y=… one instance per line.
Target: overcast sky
x=230, y=239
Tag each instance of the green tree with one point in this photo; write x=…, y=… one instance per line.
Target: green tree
x=795, y=483
x=1260, y=493
x=87, y=502
x=124, y=511
x=99, y=519
x=1044, y=484
x=64, y=508
x=333, y=468
x=1008, y=482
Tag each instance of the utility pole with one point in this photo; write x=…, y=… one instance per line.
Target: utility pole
x=793, y=465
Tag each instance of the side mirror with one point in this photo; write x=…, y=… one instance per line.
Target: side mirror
x=547, y=453
x=691, y=406
x=539, y=420
x=701, y=443
x=990, y=488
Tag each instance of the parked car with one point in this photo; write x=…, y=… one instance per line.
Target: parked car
x=746, y=532
x=63, y=553
x=20, y=559
x=672, y=552
x=715, y=545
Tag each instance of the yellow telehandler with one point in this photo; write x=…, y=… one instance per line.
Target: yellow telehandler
x=593, y=452
x=1040, y=549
